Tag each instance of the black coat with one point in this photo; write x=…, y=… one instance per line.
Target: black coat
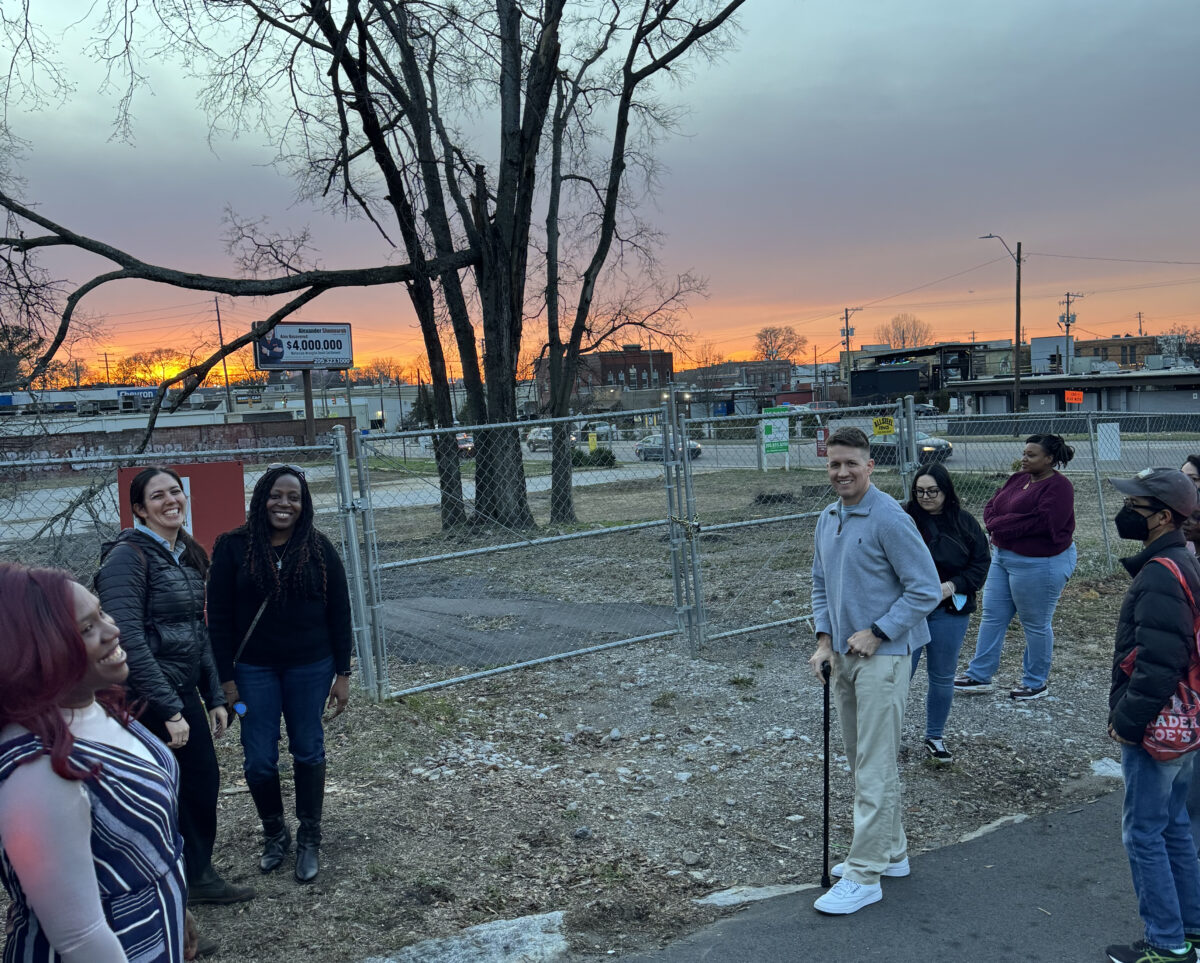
x=159, y=606
x=297, y=629
x=1156, y=622
x=960, y=554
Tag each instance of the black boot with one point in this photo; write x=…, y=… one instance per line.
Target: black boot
x=209, y=889
x=310, y=797
x=268, y=800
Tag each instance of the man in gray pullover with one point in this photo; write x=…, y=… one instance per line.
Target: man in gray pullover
x=874, y=582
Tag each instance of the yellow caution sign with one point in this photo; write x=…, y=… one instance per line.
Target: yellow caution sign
x=884, y=426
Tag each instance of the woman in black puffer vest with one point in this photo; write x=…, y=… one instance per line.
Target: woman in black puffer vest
x=151, y=582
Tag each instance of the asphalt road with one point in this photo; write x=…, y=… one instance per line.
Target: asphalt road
x=1055, y=889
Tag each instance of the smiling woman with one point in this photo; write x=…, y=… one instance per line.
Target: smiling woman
x=151, y=579
x=95, y=874
x=279, y=613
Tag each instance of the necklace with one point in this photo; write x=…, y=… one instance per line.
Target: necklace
x=1033, y=480
x=283, y=554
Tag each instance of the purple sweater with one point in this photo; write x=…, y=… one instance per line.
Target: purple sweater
x=1037, y=520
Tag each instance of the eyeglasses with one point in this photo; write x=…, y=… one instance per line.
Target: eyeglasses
x=294, y=469
x=1152, y=509
x=929, y=493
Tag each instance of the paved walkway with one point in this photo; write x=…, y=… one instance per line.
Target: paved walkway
x=1053, y=889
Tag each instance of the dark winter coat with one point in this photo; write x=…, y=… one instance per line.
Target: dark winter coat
x=158, y=604
x=296, y=629
x=960, y=553
x=1156, y=622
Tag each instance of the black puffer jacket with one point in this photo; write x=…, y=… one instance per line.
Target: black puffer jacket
x=159, y=606
x=1156, y=622
x=960, y=553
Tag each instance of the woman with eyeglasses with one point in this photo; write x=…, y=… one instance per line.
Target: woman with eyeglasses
x=1030, y=521
x=151, y=581
x=960, y=553
x=279, y=614
x=91, y=854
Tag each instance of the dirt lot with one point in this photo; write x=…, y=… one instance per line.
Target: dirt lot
x=620, y=786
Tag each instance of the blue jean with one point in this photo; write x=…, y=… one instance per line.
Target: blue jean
x=298, y=693
x=946, y=631
x=1029, y=588
x=1157, y=835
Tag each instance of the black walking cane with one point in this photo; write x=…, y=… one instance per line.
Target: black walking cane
x=825, y=880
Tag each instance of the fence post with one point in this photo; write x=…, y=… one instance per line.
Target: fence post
x=354, y=573
x=370, y=553
x=698, y=620
x=1108, y=555
x=908, y=443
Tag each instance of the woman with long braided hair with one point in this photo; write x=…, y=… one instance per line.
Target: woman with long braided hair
x=279, y=618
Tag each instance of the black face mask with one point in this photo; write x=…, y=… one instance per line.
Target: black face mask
x=1132, y=524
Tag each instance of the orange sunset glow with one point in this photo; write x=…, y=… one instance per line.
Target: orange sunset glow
x=824, y=162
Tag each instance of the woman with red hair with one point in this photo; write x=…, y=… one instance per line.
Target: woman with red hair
x=92, y=856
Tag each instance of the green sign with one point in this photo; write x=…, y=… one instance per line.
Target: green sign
x=775, y=431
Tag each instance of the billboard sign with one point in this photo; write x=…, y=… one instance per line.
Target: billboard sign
x=294, y=347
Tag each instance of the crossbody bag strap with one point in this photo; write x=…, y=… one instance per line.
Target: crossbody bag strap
x=1170, y=565
x=250, y=631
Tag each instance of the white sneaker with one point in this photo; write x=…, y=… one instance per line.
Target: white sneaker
x=897, y=870
x=847, y=896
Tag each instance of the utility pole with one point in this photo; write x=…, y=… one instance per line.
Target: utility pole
x=1139, y=324
x=107, y=379
x=224, y=366
x=1016, y=366
x=1065, y=321
x=847, y=334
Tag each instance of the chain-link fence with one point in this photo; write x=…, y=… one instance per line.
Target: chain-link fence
x=479, y=549
x=754, y=497
x=495, y=546
x=61, y=511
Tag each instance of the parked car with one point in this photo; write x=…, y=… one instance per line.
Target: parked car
x=650, y=448
x=921, y=408
x=466, y=445
x=542, y=437
x=601, y=429
x=929, y=449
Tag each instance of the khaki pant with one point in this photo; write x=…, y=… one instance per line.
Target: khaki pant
x=870, y=695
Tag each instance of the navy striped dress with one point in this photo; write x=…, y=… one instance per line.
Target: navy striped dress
x=136, y=847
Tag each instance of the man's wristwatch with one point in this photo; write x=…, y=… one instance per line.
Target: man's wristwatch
x=879, y=633
x=346, y=674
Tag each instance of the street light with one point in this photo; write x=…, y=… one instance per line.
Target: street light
x=1017, y=336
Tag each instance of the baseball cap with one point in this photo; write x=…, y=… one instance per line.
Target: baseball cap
x=1169, y=485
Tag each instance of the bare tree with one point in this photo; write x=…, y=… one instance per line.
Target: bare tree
x=905, y=331
x=778, y=343
x=375, y=90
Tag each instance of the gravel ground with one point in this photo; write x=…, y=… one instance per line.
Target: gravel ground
x=619, y=787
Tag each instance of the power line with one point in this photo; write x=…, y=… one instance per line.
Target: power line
x=931, y=283
x=1124, y=260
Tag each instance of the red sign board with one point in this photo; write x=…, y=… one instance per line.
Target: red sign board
x=1073, y=397
x=822, y=438
x=216, y=494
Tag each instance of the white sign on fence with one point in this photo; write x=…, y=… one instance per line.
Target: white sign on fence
x=1108, y=441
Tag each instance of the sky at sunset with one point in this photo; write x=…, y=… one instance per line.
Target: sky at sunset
x=843, y=155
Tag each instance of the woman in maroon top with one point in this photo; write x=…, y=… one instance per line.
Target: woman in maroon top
x=1030, y=521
